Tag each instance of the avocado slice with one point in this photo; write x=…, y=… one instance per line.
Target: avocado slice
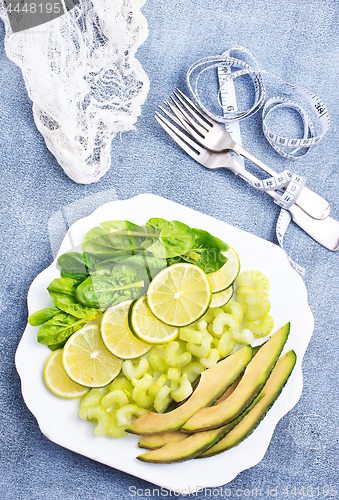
x=194, y=444
x=213, y=383
x=271, y=391
x=255, y=376
x=154, y=441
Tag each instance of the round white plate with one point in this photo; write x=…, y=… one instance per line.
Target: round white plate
x=58, y=418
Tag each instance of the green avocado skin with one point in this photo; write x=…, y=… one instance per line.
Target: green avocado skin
x=251, y=420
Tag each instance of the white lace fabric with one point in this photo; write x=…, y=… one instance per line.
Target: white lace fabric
x=86, y=85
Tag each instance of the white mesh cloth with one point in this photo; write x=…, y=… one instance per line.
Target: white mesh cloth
x=86, y=85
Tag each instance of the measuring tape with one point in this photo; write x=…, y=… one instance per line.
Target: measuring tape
x=230, y=113
x=231, y=118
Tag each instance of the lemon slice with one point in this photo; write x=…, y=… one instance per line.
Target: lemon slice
x=117, y=335
x=221, y=298
x=179, y=295
x=147, y=327
x=87, y=361
x=227, y=274
x=57, y=379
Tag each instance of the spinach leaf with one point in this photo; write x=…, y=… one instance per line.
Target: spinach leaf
x=63, y=294
x=140, y=260
x=40, y=317
x=103, y=290
x=58, y=329
x=54, y=347
x=172, y=238
x=73, y=262
x=206, y=252
x=115, y=238
x=74, y=276
x=73, y=266
x=146, y=264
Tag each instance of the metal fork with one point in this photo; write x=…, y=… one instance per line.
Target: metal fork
x=212, y=136
x=325, y=231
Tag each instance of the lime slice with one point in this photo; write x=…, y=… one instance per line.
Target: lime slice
x=221, y=298
x=117, y=335
x=147, y=327
x=179, y=295
x=227, y=274
x=57, y=379
x=87, y=361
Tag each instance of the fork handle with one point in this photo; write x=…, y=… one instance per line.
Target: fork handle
x=324, y=231
x=309, y=201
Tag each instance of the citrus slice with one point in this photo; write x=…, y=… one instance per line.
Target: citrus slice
x=57, y=379
x=147, y=327
x=179, y=295
x=87, y=361
x=227, y=274
x=221, y=298
x=117, y=335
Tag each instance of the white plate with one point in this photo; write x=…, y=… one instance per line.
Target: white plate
x=58, y=418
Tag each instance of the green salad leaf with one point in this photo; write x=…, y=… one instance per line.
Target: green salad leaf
x=58, y=329
x=206, y=252
x=63, y=294
x=140, y=260
x=106, y=288
x=40, y=317
x=171, y=238
x=113, y=238
x=72, y=262
x=73, y=266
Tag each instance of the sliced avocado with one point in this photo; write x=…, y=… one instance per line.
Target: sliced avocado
x=236, y=383
x=213, y=383
x=232, y=433
x=255, y=376
x=154, y=441
x=194, y=445
x=271, y=391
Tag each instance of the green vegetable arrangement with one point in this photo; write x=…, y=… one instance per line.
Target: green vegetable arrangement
x=119, y=261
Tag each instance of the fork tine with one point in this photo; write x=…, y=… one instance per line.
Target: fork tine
x=196, y=117
x=194, y=106
x=192, y=130
x=201, y=130
x=172, y=117
x=183, y=136
x=176, y=134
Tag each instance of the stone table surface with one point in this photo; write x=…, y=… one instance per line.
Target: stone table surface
x=295, y=40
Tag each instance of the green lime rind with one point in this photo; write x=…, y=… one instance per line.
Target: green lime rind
x=227, y=274
x=117, y=335
x=222, y=298
x=146, y=327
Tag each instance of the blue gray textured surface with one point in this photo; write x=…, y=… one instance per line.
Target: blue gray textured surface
x=298, y=41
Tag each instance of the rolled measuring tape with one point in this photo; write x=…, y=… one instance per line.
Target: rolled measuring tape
x=237, y=67
x=228, y=69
